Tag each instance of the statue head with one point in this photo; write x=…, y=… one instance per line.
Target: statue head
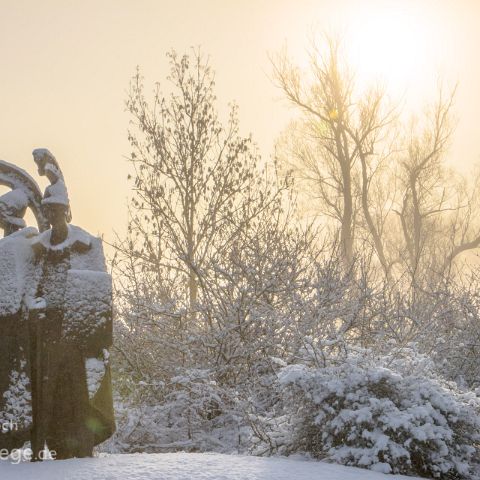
x=56, y=205
x=47, y=164
x=13, y=206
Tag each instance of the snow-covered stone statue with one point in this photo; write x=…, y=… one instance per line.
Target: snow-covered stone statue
x=71, y=315
x=55, y=320
x=17, y=280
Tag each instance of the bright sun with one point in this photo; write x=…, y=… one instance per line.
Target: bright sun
x=395, y=44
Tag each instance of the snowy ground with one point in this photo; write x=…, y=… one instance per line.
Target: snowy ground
x=185, y=466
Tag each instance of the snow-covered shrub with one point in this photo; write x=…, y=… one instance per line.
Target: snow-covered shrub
x=455, y=346
x=389, y=414
x=191, y=412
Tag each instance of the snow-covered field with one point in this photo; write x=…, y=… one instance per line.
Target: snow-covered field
x=185, y=466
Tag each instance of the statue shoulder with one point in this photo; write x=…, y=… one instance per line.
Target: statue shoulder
x=87, y=250
x=27, y=232
x=19, y=241
x=79, y=239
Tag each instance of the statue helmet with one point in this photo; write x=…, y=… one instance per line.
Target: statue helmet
x=46, y=161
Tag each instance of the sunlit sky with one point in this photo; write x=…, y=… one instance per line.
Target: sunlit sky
x=66, y=65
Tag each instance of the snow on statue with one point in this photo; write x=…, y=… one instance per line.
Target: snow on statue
x=56, y=298
x=15, y=256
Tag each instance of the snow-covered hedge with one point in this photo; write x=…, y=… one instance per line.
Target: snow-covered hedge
x=389, y=414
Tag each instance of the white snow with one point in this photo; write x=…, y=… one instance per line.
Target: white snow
x=15, y=256
x=37, y=303
x=88, y=296
x=95, y=369
x=13, y=205
x=56, y=193
x=186, y=466
x=75, y=235
x=18, y=400
x=15, y=199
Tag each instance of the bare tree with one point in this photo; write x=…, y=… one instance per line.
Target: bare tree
x=199, y=197
x=436, y=205
x=391, y=192
x=193, y=176
x=338, y=144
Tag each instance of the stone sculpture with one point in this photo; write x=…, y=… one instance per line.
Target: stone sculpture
x=55, y=298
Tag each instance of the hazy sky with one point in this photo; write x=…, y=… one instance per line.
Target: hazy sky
x=66, y=65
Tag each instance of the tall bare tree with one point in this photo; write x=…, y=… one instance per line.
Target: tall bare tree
x=436, y=205
x=337, y=145
x=193, y=177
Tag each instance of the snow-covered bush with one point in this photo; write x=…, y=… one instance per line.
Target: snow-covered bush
x=389, y=414
x=191, y=412
x=455, y=346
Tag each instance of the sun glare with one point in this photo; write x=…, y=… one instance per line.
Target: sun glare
x=394, y=45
